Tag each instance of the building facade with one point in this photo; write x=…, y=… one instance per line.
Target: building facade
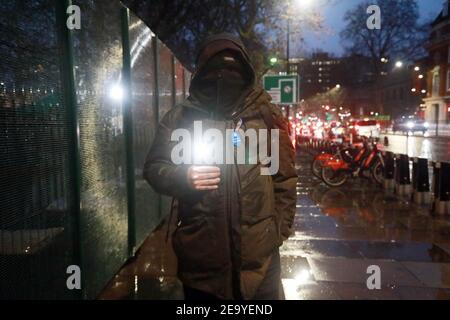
x=401, y=90
x=318, y=74
x=437, y=101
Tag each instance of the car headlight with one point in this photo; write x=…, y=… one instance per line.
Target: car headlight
x=410, y=124
x=426, y=125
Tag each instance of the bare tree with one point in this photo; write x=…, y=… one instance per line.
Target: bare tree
x=261, y=24
x=400, y=37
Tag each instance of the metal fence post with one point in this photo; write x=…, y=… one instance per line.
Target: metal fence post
x=70, y=101
x=174, y=87
x=128, y=131
x=155, y=47
x=156, y=77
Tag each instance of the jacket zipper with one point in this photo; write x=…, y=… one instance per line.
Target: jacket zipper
x=230, y=220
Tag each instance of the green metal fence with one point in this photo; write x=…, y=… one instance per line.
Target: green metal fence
x=78, y=112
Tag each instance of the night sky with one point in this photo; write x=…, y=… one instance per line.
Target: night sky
x=334, y=13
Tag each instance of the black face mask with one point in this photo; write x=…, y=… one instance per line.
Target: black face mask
x=222, y=83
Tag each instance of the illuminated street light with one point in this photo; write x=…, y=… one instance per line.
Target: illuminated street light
x=420, y=76
x=273, y=60
x=416, y=69
x=338, y=86
x=413, y=90
x=399, y=64
x=384, y=60
x=424, y=91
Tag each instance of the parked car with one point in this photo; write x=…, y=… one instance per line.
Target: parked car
x=410, y=125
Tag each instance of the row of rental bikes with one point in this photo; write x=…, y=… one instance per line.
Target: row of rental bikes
x=345, y=161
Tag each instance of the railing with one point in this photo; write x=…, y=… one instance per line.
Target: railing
x=78, y=112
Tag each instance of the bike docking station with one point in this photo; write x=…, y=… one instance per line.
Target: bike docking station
x=421, y=182
x=412, y=186
x=403, y=186
x=389, y=173
x=441, y=188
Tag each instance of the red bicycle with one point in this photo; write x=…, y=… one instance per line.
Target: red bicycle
x=369, y=159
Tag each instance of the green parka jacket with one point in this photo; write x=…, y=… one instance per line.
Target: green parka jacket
x=225, y=238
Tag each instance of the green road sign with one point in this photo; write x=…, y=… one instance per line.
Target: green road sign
x=283, y=89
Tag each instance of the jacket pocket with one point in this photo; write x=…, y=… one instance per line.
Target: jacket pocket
x=195, y=245
x=258, y=242
x=257, y=199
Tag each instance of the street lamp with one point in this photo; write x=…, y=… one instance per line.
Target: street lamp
x=273, y=61
x=399, y=64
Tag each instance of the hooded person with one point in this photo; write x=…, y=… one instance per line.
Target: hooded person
x=231, y=218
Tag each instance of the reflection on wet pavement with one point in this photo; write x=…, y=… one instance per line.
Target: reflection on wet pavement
x=150, y=275
x=339, y=233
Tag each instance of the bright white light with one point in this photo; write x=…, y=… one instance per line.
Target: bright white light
x=338, y=86
x=303, y=4
x=303, y=277
x=424, y=91
x=413, y=90
x=116, y=92
x=209, y=152
x=399, y=64
x=426, y=125
x=410, y=124
x=416, y=69
x=202, y=151
x=420, y=76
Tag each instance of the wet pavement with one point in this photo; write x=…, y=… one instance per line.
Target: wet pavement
x=339, y=233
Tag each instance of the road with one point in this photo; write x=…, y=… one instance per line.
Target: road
x=432, y=148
